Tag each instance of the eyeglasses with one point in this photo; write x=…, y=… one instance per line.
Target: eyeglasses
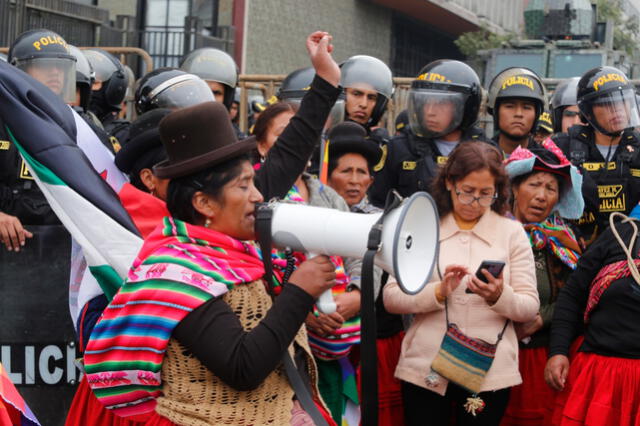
x=484, y=200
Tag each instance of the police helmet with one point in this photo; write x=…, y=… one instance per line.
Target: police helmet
x=544, y=123
x=110, y=72
x=297, y=83
x=608, y=89
x=369, y=73
x=84, y=76
x=3, y=57
x=515, y=83
x=213, y=65
x=565, y=95
x=170, y=88
x=47, y=51
x=444, y=87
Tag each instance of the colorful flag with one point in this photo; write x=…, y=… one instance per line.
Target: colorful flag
x=49, y=137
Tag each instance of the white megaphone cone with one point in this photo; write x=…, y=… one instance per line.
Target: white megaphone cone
x=409, y=238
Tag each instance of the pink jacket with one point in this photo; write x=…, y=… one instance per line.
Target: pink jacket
x=493, y=238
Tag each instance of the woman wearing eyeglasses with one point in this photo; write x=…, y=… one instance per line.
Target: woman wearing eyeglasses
x=464, y=381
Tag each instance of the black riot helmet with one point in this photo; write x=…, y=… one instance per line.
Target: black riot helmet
x=444, y=87
x=565, y=95
x=515, y=83
x=297, y=83
x=110, y=72
x=45, y=55
x=84, y=76
x=607, y=100
x=369, y=73
x=170, y=88
x=213, y=65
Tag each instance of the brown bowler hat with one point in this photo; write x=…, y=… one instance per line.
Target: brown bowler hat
x=198, y=137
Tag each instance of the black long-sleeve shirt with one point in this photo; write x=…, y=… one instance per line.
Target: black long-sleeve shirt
x=612, y=329
x=288, y=158
x=243, y=359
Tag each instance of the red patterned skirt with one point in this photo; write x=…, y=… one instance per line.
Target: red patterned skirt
x=531, y=401
x=600, y=391
x=87, y=410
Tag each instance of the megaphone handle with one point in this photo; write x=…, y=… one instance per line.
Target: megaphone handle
x=325, y=302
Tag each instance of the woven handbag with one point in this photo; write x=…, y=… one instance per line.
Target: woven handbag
x=465, y=361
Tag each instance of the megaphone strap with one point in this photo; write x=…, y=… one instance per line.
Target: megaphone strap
x=368, y=334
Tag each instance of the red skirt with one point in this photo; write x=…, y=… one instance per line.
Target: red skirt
x=390, y=409
x=531, y=401
x=600, y=391
x=87, y=410
x=157, y=420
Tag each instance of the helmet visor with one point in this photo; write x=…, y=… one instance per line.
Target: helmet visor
x=103, y=67
x=182, y=93
x=58, y=74
x=435, y=113
x=612, y=112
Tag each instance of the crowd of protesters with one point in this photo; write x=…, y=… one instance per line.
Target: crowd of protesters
x=528, y=318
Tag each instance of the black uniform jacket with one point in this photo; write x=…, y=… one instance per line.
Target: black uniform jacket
x=606, y=188
x=411, y=164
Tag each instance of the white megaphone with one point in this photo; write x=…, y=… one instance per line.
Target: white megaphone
x=409, y=243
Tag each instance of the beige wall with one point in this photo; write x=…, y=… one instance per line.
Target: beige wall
x=118, y=7
x=276, y=31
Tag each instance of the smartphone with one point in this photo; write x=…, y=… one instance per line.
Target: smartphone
x=494, y=267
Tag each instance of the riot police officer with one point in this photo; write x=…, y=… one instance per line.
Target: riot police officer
x=217, y=69
x=109, y=90
x=368, y=87
x=45, y=56
x=564, y=106
x=85, y=77
x=170, y=88
x=516, y=100
x=444, y=101
x=606, y=149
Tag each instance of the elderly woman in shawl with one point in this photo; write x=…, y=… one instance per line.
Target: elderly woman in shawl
x=546, y=190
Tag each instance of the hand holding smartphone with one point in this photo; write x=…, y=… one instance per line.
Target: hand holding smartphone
x=494, y=267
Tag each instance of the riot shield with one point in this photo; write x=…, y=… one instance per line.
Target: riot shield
x=37, y=338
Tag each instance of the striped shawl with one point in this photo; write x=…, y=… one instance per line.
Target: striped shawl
x=179, y=267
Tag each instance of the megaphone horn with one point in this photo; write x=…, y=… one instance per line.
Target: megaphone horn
x=409, y=237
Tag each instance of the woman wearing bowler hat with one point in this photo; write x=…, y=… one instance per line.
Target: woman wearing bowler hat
x=193, y=336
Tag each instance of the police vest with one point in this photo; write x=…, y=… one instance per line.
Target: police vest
x=19, y=193
x=608, y=186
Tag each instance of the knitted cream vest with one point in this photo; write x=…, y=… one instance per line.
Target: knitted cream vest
x=193, y=396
